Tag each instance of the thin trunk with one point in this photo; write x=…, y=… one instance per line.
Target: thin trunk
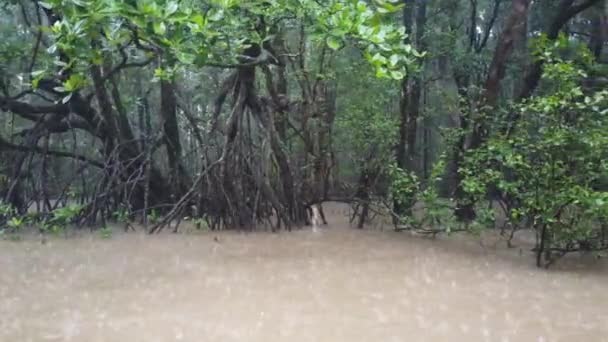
x=426, y=137
x=281, y=88
x=411, y=91
x=363, y=196
x=44, y=175
x=147, y=130
x=514, y=25
x=168, y=114
x=415, y=90
x=404, y=120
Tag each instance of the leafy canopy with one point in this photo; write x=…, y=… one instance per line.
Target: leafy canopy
x=216, y=32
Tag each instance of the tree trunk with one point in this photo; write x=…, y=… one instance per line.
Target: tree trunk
x=171, y=138
x=566, y=11
x=599, y=31
x=512, y=28
x=363, y=196
x=404, y=106
x=411, y=91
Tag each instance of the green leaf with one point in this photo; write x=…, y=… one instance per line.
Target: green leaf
x=198, y=20
x=171, y=8
x=66, y=98
x=394, y=59
x=45, y=4
x=75, y=82
x=160, y=28
x=186, y=58
x=397, y=75
x=381, y=72
x=333, y=43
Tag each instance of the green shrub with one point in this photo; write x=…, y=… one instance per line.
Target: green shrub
x=550, y=164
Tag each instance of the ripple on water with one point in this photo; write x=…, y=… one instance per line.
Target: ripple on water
x=336, y=284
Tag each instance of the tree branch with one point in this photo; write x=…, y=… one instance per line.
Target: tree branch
x=486, y=35
x=566, y=11
x=29, y=111
x=124, y=65
x=7, y=145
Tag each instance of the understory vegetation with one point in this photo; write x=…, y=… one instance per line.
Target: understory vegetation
x=441, y=115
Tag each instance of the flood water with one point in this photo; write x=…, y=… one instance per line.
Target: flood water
x=335, y=284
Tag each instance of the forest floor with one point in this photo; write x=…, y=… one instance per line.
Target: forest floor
x=334, y=284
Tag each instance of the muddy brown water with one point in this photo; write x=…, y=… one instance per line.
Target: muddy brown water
x=335, y=284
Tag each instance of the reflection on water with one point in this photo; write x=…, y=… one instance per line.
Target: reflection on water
x=336, y=284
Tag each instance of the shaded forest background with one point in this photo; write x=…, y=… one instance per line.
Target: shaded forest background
x=444, y=115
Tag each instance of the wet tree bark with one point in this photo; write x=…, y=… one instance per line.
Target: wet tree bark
x=171, y=138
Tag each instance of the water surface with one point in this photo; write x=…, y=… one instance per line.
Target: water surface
x=336, y=284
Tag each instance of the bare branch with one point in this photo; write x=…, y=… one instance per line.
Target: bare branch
x=488, y=30
x=7, y=145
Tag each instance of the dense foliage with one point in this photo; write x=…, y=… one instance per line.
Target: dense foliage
x=549, y=167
